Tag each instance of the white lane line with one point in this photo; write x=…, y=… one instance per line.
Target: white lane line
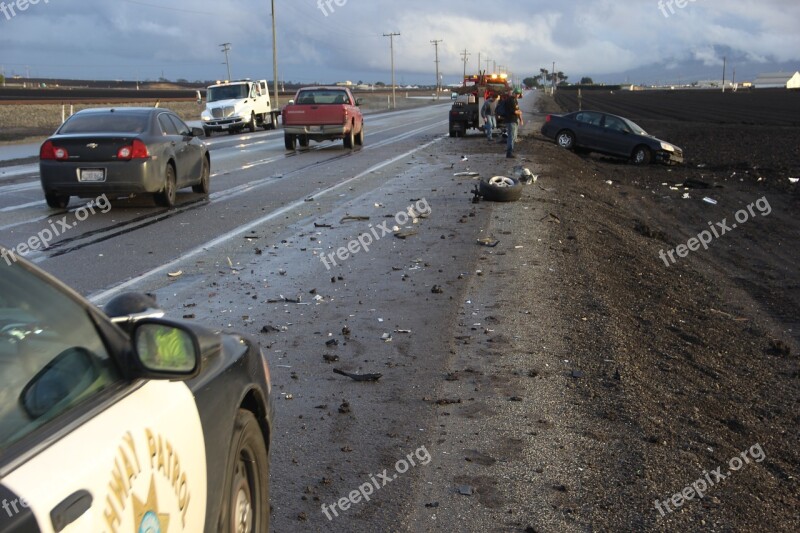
x=21, y=206
x=101, y=296
x=18, y=170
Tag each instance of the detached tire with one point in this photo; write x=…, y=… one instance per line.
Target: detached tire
x=500, y=189
x=245, y=505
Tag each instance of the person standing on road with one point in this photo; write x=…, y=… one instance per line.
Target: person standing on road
x=488, y=114
x=513, y=119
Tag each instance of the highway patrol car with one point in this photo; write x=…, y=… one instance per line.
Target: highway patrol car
x=124, y=422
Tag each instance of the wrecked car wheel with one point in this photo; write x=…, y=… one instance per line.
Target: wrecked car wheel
x=566, y=139
x=642, y=155
x=500, y=189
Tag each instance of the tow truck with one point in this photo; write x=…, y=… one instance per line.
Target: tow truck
x=465, y=113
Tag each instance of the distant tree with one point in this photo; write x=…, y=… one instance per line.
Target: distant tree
x=380, y=84
x=531, y=82
x=182, y=80
x=2, y=80
x=586, y=81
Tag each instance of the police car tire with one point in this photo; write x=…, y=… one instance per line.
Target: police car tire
x=247, y=475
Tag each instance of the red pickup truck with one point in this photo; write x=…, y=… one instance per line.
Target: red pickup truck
x=323, y=114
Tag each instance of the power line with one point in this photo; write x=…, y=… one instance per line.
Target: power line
x=465, y=57
x=435, y=43
x=226, y=47
x=391, y=37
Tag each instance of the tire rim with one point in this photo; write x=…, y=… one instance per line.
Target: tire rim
x=242, y=515
x=564, y=140
x=169, y=191
x=501, y=181
x=639, y=156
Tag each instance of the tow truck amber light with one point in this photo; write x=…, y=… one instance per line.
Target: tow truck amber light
x=136, y=150
x=51, y=152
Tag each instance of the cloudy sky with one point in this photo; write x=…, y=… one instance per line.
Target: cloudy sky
x=609, y=40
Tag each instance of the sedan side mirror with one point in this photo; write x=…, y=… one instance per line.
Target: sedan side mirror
x=359, y=101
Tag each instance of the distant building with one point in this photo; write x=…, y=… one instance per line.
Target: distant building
x=778, y=80
x=344, y=83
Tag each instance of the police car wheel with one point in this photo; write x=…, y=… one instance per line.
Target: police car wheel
x=247, y=508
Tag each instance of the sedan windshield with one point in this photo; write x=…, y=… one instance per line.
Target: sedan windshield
x=635, y=127
x=105, y=123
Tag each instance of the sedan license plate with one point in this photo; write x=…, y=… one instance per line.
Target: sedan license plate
x=92, y=174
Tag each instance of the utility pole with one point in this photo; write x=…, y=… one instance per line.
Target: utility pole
x=226, y=47
x=724, y=67
x=435, y=43
x=494, y=66
x=465, y=57
x=487, y=64
x=391, y=37
x=274, y=63
x=553, y=75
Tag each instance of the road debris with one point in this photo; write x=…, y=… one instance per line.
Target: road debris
x=358, y=377
x=177, y=274
x=486, y=241
x=353, y=218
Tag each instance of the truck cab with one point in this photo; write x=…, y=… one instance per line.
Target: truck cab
x=233, y=106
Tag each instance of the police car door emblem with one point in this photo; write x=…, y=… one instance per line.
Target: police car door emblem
x=146, y=513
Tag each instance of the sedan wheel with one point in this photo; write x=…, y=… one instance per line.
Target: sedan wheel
x=566, y=140
x=203, y=186
x=166, y=198
x=248, y=475
x=56, y=201
x=642, y=155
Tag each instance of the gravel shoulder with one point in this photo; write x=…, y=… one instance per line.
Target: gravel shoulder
x=592, y=380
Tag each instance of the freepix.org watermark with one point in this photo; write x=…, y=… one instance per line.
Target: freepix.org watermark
x=366, y=490
x=42, y=240
x=11, y=9
x=326, y=6
x=715, y=231
x=664, y=5
x=376, y=233
x=699, y=488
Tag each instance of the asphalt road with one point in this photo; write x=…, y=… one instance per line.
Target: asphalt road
x=251, y=255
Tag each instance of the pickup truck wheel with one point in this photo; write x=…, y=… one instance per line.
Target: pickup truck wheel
x=350, y=139
x=360, y=137
x=290, y=141
x=252, y=126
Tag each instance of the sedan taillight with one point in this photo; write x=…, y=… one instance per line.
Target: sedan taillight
x=49, y=151
x=136, y=150
x=547, y=118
